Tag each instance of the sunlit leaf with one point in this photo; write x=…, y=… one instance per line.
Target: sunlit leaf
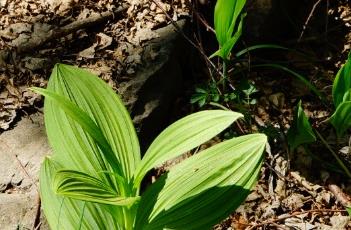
x=87, y=124
x=65, y=213
x=202, y=190
x=226, y=48
x=72, y=147
x=342, y=83
x=84, y=187
x=226, y=16
x=301, y=131
x=184, y=135
x=341, y=119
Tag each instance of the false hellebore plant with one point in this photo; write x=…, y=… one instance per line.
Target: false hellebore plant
x=93, y=178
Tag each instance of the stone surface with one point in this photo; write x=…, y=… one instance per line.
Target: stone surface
x=21, y=152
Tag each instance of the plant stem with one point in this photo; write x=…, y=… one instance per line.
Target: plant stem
x=224, y=77
x=128, y=218
x=343, y=166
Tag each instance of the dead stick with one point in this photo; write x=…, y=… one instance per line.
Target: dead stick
x=289, y=216
x=340, y=196
x=308, y=19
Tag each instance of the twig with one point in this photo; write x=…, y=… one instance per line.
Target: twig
x=308, y=19
x=203, y=21
x=273, y=221
x=340, y=196
x=37, y=223
x=179, y=30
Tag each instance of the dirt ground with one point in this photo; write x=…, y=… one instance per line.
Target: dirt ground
x=295, y=191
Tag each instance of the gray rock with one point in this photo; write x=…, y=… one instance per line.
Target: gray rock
x=21, y=152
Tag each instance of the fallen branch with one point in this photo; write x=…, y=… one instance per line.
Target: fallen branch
x=55, y=33
x=340, y=196
x=287, y=216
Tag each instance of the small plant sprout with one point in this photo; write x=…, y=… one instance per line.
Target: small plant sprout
x=228, y=24
x=301, y=131
x=93, y=178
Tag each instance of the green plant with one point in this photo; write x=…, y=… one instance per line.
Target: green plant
x=205, y=95
x=228, y=30
x=301, y=131
x=93, y=178
x=341, y=119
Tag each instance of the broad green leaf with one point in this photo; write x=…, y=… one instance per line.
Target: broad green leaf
x=184, y=135
x=225, y=21
x=341, y=119
x=342, y=83
x=202, y=190
x=73, y=147
x=301, y=131
x=89, y=126
x=65, y=213
x=84, y=187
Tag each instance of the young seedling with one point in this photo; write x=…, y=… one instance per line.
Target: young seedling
x=228, y=30
x=93, y=178
x=301, y=131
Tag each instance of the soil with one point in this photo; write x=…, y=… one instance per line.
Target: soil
x=296, y=190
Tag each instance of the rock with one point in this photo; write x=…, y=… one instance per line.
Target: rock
x=149, y=95
x=21, y=152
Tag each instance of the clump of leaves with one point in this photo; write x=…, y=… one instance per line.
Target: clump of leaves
x=93, y=178
x=204, y=95
x=341, y=119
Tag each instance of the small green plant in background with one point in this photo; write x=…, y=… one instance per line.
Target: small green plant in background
x=228, y=29
x=93, y=178
x=301, y=131
x=341, y=119
x=228, y=25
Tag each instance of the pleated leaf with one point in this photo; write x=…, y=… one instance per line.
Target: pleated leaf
x=74, y=147
x=88, y=125
x=301, y=131
x=342, y=84
x=341, y=119
x=184, y=135
x=84, y=187
x=226, y=16
x=204, y=189
x=63, y=213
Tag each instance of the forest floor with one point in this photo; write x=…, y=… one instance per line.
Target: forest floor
x=295, y=191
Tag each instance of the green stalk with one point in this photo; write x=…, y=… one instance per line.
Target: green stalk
x=340, y=162
x=128, y=218
x=224, y=79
